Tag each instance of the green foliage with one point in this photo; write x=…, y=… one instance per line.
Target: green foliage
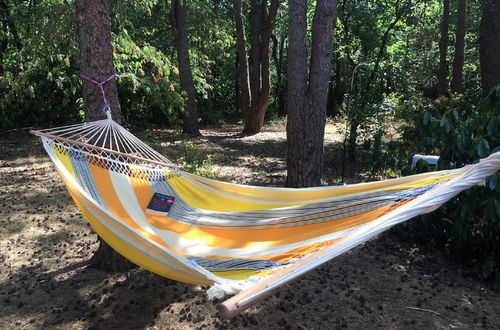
x=469, y=224
x=40, y=56
x=195, y=160
x=39, y=71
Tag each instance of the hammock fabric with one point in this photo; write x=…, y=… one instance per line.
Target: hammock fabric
x=216, y=233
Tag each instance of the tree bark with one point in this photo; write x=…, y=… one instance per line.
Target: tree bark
x=279, y=90
x=443, y=48
x=308, y=91
x=255, y=81
x=242, y=60
x=179, y=27
x=96, y=57
x=489, y=45
x=96, y=61
x=458, y=60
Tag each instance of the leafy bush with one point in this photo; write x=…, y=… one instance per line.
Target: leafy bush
x=469, y=224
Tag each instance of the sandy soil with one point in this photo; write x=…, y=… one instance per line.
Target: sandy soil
x=45, y=245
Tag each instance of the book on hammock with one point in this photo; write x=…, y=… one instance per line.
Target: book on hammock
x=160, y=204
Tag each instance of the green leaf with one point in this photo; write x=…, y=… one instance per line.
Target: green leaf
x=492, y=181
x=492, y=126
x=482, y=148
x=426, y=118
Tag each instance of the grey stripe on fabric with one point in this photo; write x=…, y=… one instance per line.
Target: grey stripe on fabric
x=235, y=264
x=84, y=176
x=335, y=209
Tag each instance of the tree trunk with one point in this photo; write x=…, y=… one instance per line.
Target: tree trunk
x=255, y=83
x=308, y=91
x=489, y=46
x=242, y=60
x=331, y=107
x=96, y=57
x=368, y=84
x=8, y=24
x=458, y=60
x=443, y=48
x=96, y=61
x=278, y=49
x=179, y=27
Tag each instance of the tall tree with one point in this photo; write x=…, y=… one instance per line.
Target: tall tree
x=179, y=27
x=96, y=62
x=443, y=48
x=279, y=88
x=308, y=90
x=96, y=57
x=359, y=115
x=458, y=60
x=489, y=45
x=254, y=74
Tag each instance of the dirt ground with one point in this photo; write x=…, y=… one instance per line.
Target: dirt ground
x=45, y=244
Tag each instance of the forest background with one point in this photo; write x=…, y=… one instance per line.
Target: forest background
x=429, y=66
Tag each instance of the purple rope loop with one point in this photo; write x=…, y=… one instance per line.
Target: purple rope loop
x=101, y=85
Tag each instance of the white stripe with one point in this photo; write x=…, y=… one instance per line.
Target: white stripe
x=67, y=176
x=128, y=199
x=198, y=248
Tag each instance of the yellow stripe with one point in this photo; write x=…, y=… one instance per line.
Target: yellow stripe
x=269, y=196
x=244, y=274
x=126, y=249
x=198, y=197
x=64, y=158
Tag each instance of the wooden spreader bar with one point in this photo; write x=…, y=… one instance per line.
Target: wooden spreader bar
x=90, y=146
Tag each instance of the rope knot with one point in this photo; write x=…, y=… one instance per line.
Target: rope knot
x=101, y=84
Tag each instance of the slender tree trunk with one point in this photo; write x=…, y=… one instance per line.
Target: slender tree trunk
x=209, y=103
x=179, y=27
x=96, y=61
x=353, y=133
x=443, y=48
x=489, y=45
x=242, y=60
x=331, y=107
x=458, y=60
x=308, y=90
x=278, y=48
x=255, y=81
x=8, y=24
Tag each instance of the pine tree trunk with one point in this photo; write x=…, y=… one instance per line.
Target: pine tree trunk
x=255, y=81
x=96, y=57
x=242, y=60
x=96, y=61
x=179, y=27
x=458, y=60
x=443, y=48
x=308, y=90
x=489, y=45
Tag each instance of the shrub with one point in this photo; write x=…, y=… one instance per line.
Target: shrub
x=469, y=224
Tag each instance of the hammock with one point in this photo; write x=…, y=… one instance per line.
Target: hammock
x=233, y=237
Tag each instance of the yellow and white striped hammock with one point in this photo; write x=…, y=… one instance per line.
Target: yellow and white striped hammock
x=227, y=234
